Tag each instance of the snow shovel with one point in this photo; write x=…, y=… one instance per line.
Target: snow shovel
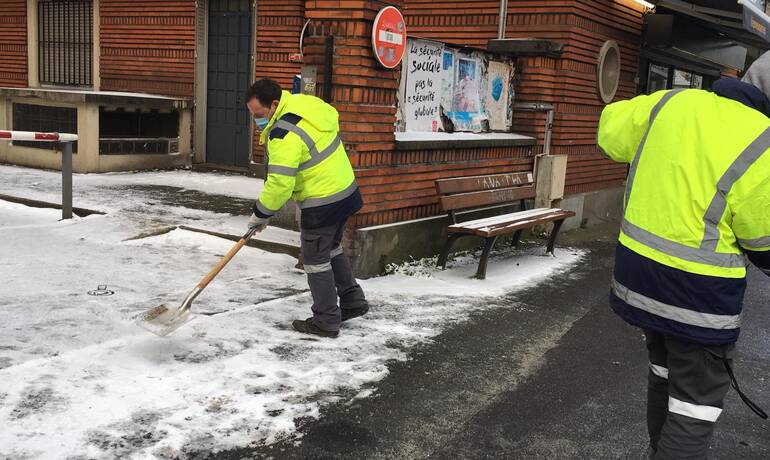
x=163, y=320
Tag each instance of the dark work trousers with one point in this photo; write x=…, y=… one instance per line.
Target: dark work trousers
x=329, y=275
x=687, y=386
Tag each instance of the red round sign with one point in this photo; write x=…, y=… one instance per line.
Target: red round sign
x=389, y=37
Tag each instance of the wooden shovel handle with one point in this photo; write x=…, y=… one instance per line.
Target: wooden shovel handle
x=230, y=254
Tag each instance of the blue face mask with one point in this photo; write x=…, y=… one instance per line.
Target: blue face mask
x=261, y=123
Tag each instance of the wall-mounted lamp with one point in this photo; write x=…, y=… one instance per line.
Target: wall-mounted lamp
x=645, y=4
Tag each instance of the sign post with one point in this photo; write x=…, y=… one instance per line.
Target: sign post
x=66, y=180
x=389, y=37
x=66, y=162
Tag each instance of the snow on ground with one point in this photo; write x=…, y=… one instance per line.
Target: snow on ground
x=81, y=380
x=41, y=181
x=153, y=199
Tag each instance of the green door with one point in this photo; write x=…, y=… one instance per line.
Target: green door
x=228, y=126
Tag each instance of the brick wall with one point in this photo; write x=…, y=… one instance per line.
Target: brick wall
x=396, y=185
x=279, y=24
x=13, y=43
x=400, y=185
x=148, y=46
x=364, y=93
x=570, y=81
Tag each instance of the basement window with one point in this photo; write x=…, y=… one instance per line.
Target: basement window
x=126, y=132
x=41, y=118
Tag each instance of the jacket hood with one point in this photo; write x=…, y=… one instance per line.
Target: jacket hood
x=745, y=93
x=759, y=74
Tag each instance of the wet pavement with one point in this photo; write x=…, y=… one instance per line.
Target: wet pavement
x=551, y=373
x=153, y=194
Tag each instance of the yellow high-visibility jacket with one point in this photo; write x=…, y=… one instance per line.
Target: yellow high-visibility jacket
x=697, y=201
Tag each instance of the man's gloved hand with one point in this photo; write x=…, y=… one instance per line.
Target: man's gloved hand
x=256, y=222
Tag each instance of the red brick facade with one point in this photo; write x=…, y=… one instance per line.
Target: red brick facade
x=148, y=46
x=365, y=95
x=400, y=185
x=13, y=43
x=568, y=82
x=279, y=24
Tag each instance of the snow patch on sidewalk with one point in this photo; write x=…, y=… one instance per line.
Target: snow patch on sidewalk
x=49, y=182
x=507, y=271
x=80, y=379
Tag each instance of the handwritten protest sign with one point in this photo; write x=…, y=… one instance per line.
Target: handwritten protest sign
x=423, y=85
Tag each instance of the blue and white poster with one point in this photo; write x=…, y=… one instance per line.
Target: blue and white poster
x=447, y=80
x=497, y=97
x=467, y=86
x=467, y=113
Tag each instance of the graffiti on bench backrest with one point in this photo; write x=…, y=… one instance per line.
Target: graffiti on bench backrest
x=502, y=181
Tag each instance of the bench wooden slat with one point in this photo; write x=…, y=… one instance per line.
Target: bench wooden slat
x=496, y=189
x=486, y=198
x=482, y=183
x=503, y=218
x=515, y=222
x=507, y=228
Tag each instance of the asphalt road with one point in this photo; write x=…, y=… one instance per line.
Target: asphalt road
x=552, y=373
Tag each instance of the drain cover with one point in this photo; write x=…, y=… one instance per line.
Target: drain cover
x=101, y=290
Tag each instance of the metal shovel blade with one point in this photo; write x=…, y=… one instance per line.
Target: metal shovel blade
x=162, y=320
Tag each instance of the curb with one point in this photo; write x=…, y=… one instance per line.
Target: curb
x=80, y=212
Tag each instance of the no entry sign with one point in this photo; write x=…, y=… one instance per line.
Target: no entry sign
x=389, y=37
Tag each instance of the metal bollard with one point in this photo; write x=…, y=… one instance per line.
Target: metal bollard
x=66, y=180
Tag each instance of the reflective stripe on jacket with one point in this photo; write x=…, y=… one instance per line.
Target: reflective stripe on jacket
x=697, y=197
x=305, y=158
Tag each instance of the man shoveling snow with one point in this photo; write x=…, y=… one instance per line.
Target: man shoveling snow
x=306, y=161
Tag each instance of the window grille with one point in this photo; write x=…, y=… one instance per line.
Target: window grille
x=65, y=41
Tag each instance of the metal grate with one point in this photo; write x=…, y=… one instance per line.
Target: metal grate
x=65, y=34
x=122, y=146
x=41, y=118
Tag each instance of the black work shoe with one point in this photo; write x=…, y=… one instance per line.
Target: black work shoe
x=350, y=313
x=307, y=327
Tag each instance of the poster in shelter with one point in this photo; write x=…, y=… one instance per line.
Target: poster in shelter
x=448, y=80
x=467, y=86
x=423, y=85
x=497, y=95
x=467, y=114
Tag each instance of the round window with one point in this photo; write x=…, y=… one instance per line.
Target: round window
x=608, y=71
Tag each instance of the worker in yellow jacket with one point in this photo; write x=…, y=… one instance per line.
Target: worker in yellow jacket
x=697, y=207
x=306, y=161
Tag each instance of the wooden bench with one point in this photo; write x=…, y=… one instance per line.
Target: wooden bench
x=484, y=191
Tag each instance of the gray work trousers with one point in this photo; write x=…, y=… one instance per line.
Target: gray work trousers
x=686, y=389
x=329, y=275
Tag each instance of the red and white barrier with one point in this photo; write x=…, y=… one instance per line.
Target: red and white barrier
x=66, y=160
x=40, y=137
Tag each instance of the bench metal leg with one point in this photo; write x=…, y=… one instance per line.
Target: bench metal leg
x=481, y=273
x=450, y=241
x=554, y=233
x=516, y=239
